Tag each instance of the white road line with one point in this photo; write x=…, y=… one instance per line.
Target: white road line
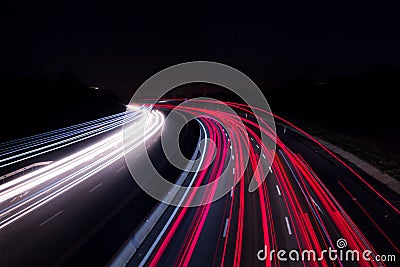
x=279, y=191
x=270, y=169
x=233, y=157
x=316, y=205
x=94, y=188
x=288, y=226
x=231, y=191
x=226, y=227
x=257, y=146
x=120, y=169
x=233, y=171
x=51, y=218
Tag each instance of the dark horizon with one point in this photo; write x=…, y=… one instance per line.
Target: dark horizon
x=118, y=47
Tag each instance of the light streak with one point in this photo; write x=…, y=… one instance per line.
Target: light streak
x=71, y=171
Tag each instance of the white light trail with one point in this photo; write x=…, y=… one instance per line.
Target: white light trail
x=72, y=170
x=60, y=142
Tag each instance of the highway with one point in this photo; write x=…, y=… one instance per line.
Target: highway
x=310, y=200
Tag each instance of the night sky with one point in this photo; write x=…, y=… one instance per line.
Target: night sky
x=117, y=46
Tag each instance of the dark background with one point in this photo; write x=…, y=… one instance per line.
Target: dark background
x=328, y=64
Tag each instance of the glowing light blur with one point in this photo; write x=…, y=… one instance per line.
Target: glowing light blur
x=72, y=170
x=308, y=212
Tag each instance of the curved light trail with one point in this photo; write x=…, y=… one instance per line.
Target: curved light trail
x=24, y=194
x=314, y=218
